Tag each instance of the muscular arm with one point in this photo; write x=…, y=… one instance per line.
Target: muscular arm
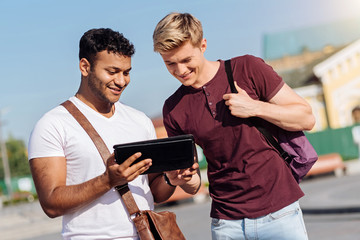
x=286, y=109
x=57, y=199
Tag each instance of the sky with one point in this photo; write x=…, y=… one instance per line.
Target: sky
x=39, y=45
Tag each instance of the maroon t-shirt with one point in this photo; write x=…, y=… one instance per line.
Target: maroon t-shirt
x=247, y=176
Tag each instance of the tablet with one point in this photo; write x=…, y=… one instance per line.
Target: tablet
x=166, y=153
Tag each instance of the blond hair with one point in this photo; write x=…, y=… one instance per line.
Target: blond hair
x=174, y=30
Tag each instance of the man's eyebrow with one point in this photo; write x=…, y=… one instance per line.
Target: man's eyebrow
x=181, y=60
x=186, y=58
x=119, y=69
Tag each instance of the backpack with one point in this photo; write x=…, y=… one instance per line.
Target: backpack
x=293, y=147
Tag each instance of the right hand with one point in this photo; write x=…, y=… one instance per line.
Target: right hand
x=181, y=176
x=241, y=104
x=119, y=174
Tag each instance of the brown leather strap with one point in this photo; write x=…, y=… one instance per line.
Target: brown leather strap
x=90, y=130
x=123, y=190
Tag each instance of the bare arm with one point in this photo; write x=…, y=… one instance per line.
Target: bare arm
x=160, y=190
x=57, y=199
x=286, y=109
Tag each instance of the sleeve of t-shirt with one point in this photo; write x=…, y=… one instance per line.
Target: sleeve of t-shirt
x=266, y=81
x=170, y=124
x=45, y=139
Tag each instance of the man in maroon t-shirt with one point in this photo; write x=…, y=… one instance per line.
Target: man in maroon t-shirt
x=254, y=195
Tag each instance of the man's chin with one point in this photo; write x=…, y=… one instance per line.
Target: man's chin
x=186, y=83
x=113, y=100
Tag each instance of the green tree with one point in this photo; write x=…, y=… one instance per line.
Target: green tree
x=17, y=155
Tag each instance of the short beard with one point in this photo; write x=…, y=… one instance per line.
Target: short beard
x=95, y=88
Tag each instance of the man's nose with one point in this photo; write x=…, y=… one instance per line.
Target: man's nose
x=120, y=80
x=180, y=69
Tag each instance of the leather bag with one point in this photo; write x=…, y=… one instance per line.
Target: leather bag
x=157, y=225
x=149, y=224
x=293, y=147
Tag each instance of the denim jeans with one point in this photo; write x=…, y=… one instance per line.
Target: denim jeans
x=285, y=224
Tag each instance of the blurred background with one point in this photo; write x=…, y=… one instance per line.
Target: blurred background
x=313, y=45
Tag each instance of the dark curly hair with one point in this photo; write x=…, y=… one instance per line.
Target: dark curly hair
x=100, y=39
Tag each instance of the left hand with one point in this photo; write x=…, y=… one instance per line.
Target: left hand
x=181, y=176
x=240, y=104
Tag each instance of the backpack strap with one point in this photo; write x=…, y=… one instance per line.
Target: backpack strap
x=229, y=75
x=268, y=136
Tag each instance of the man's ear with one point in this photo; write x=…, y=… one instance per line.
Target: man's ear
x=203, y=45
x=84, y=66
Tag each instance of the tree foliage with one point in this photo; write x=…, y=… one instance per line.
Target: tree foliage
x=17, y=157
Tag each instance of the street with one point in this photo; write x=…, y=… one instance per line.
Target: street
x=331, y=208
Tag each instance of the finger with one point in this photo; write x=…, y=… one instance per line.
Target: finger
x=143, y=163
x=135, y=174
x=227, y=96
x=188, y=172
x=142, y=169
x=138, y=168
x=195, y=166
x=131, y=159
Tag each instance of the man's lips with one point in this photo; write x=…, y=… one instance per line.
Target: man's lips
x=184, y=76
x=116, y=90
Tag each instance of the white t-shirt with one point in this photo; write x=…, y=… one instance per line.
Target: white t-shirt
x=57, y=133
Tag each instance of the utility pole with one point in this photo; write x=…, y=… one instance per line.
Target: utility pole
x=5, y=162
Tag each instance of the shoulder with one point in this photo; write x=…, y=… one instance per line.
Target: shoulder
x=131, y=113
x=252, y=66
x=177, y=95
x=52, y=117
x=137, y=118
x=124, y=108
x=46, y=138
x=175, y=98
x=247, y=60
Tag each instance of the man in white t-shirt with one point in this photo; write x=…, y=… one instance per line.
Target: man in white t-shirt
x=70, y=177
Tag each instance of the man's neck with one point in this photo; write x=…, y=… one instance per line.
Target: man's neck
x=208, y=72
x=105, y=109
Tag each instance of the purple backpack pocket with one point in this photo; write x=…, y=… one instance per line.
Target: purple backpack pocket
x=303, y=155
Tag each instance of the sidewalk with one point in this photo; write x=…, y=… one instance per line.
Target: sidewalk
x=27, y=220
x=325, y=199
x=331, y=207
x=328, y=194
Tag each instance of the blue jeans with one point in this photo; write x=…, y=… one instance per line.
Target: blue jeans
x=285, y=224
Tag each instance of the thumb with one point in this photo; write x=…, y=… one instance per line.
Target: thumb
x=237, y=87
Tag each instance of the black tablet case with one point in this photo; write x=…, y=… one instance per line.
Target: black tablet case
x=166, y=153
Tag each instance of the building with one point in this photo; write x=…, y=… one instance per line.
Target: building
x=326, y=75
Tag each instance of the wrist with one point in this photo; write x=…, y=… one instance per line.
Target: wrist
x=167, y=180
x=193, y=185
x=105, y=181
